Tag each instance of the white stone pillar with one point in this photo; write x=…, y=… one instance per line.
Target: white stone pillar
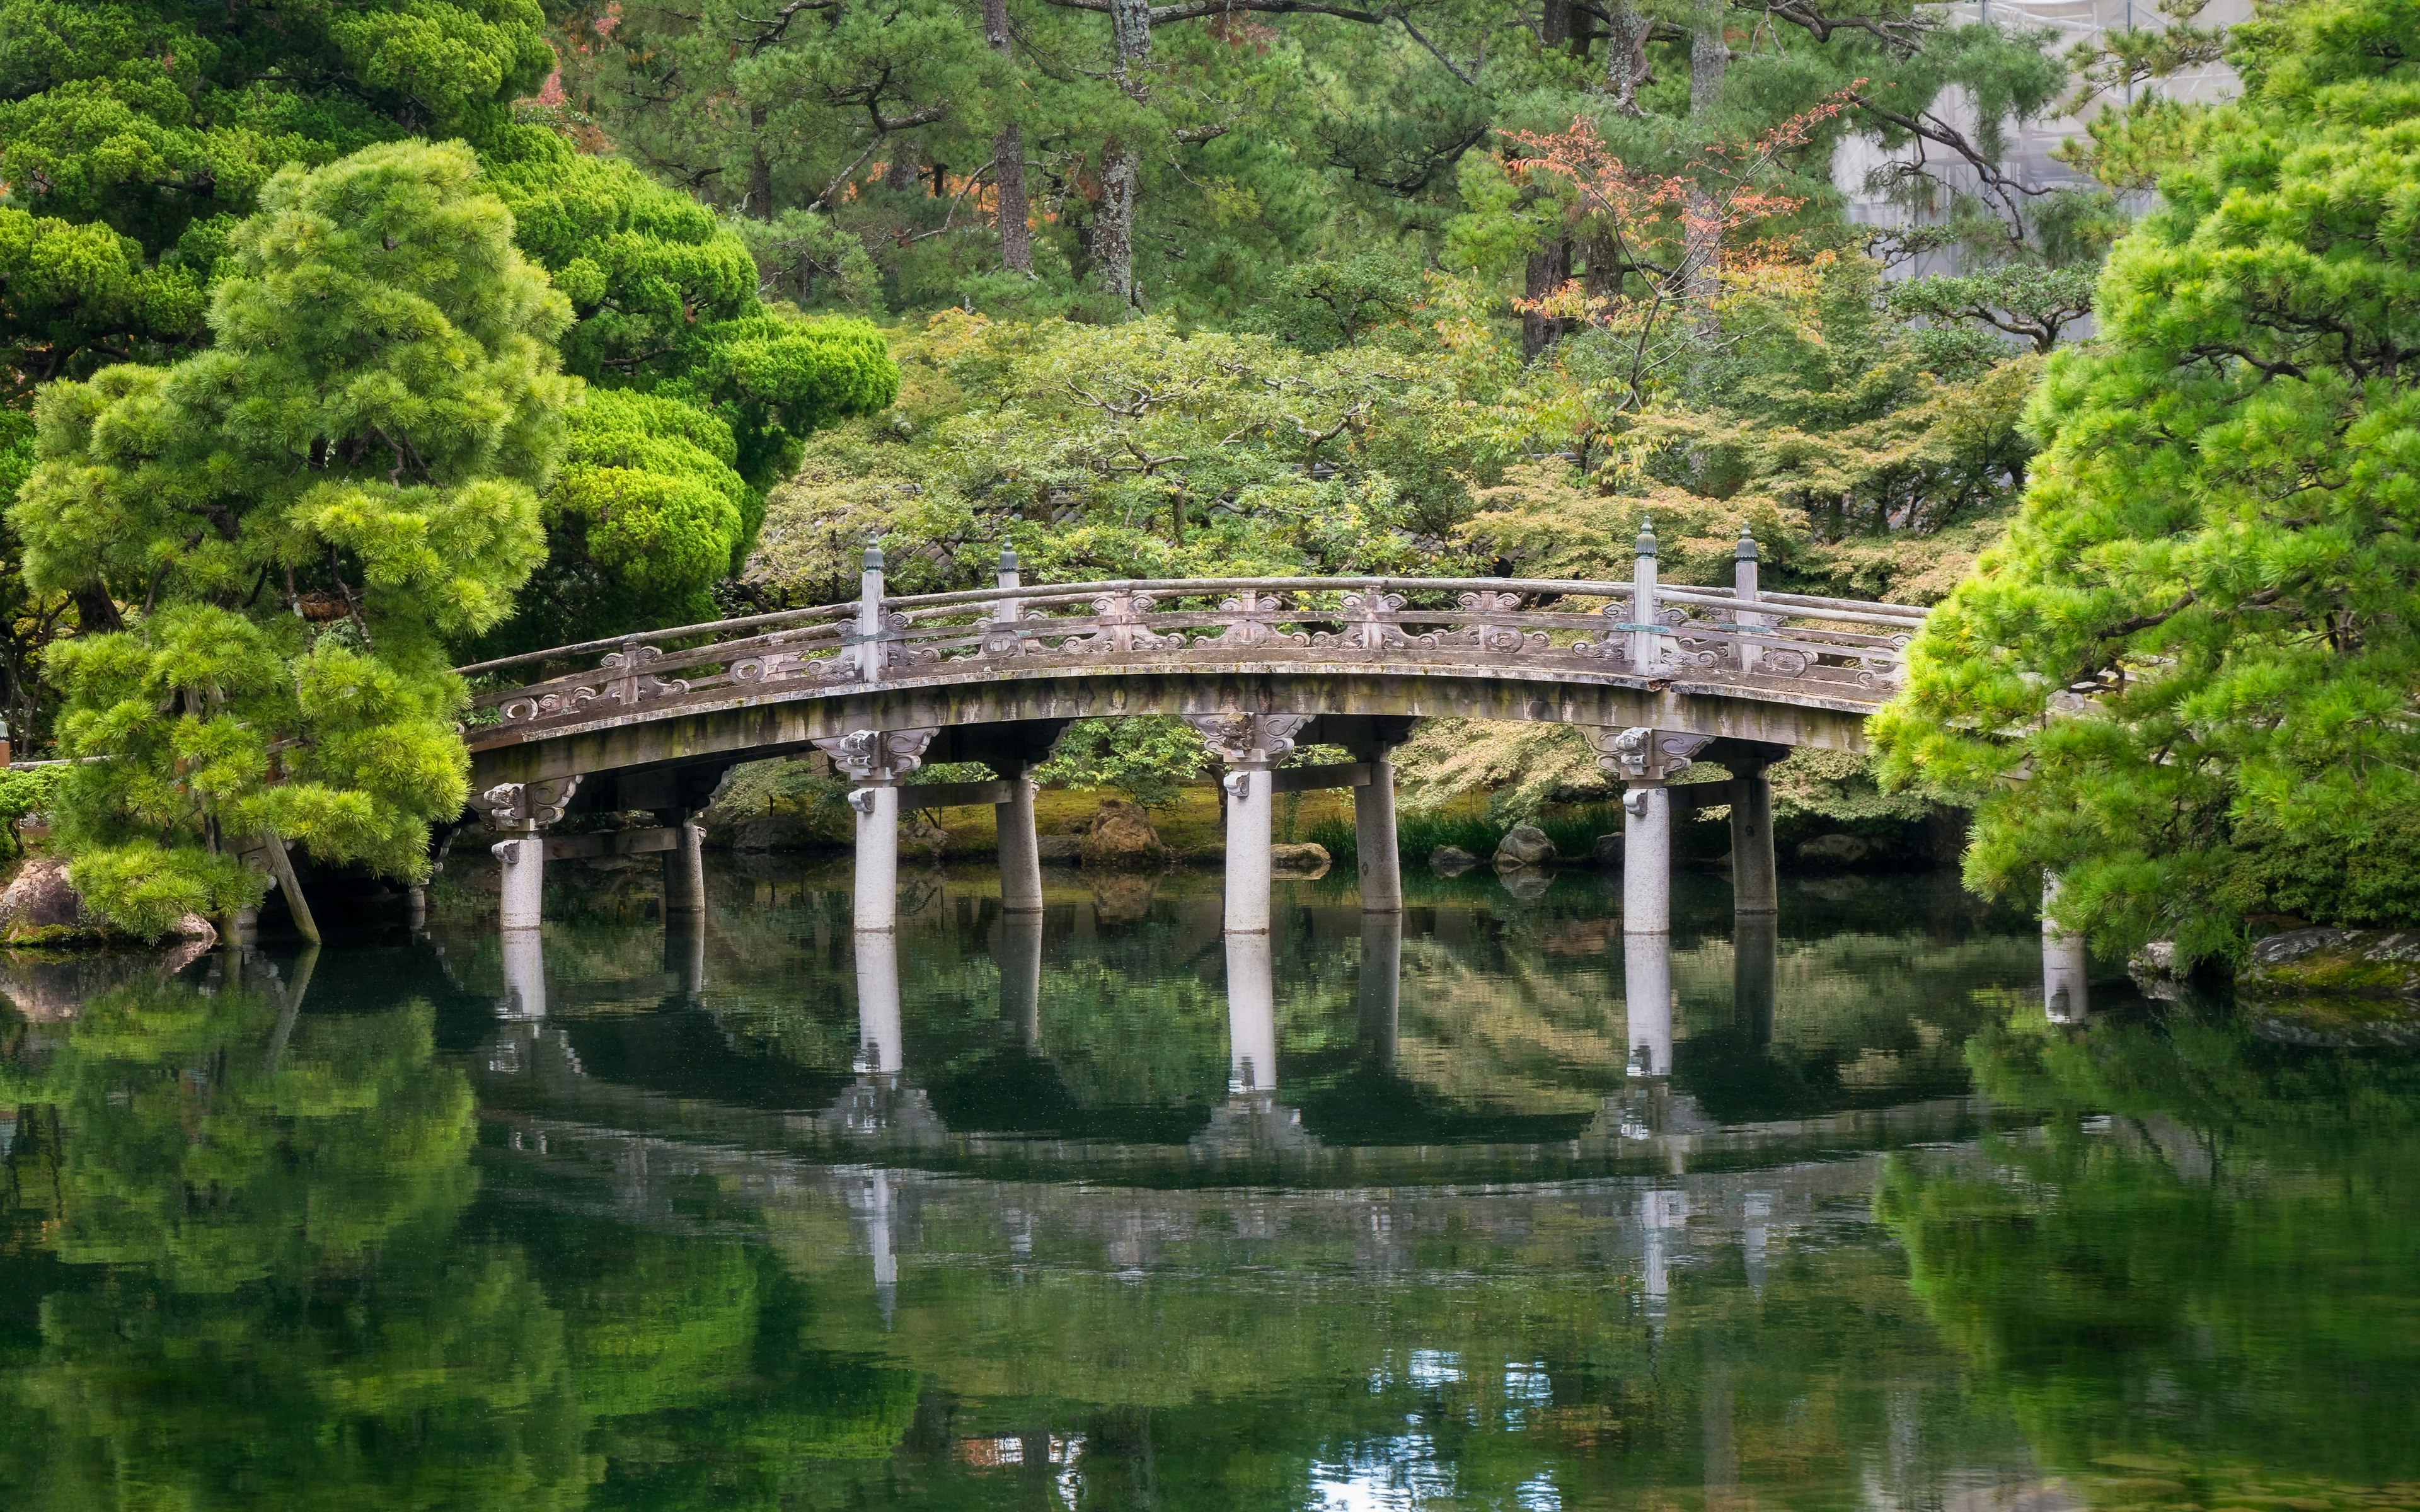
x=1744, y=588
x=869, y=616
x=1252, y=1015
x=522, y=904
x=1647, y=857
x=876, y=903
x=2067, y=964
x=525, y=973
x=1381, y=983
x=1250, y=830
x=1756, y=883
x=1647, y=1000
x=1020, y=851
x=1373, y=838
x=685, y=870
x=1020, y=976
x=878, y=1048
x=1646, y=646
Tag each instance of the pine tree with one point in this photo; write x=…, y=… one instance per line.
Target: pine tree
x=299, y=523
x=2185, y=684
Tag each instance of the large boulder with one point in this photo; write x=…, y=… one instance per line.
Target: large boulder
x=1450, y=860
x=1608, y=849
x=1523, y=845
x=42, y=904
x=1836, y=850
x=1305, y=860
x=2335, y=987
x=1121, y=839
x=1059, y=850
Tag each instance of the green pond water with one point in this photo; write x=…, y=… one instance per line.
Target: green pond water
x=1482, y=1209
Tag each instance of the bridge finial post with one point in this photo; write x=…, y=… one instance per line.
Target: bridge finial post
x=869, y=615
x=1010, y=580
x=1744, y=588
x=1646, y=653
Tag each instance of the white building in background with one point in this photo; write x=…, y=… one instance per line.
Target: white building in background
x=2029, y=158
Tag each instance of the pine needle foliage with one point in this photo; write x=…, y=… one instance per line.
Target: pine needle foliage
x=302, y=521
x=2199, y=651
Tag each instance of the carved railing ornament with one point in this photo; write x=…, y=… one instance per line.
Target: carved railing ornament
x=1364, y=630
x=1251, y=622
x=1497, y=640
x=877, y=756
x=1248, y=739
x=634, y=686
x=1122, y=630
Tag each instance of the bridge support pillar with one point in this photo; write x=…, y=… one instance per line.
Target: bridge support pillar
x=876, y=901
x=524, y=971
x=684, y=867
x=1642, y=759
x=1020, y=852
x=522, y=810
x=1251, y=746
x=1373, y=838
x=1756, y=886
x=874, y=761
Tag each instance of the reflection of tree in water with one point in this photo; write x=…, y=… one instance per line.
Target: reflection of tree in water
x=2201, y=1268
x=265, y=1281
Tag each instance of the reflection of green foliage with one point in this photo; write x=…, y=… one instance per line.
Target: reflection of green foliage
x=2204, y=1278
x=264, y=1303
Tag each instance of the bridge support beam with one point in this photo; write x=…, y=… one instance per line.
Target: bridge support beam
x=1020, y=850
x=524, y=810
x=1251, y=746
x=1373, y=838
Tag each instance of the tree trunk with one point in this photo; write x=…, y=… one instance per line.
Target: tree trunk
x=1555, y=24
x=1015, y=210
x=1701, y=253
x=760, y=169
x=1549, y=268
x=1625, y=55
x=902, y=170
x=1113, y=228
x=1008, y=163
x=1121, y=160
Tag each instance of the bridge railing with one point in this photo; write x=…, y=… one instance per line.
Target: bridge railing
x=1640, y=628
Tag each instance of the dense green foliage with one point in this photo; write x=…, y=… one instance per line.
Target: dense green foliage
x=2185, y=682
x=301, y=521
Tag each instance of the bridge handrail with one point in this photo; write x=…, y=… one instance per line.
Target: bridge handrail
x=1791, y=606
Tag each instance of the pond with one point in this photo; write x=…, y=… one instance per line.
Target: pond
x=1480, y=1207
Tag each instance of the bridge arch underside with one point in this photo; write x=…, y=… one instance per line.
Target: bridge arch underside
x=717, y=730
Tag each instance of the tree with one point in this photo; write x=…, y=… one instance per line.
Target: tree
x=299, y=524
x=2199, y=644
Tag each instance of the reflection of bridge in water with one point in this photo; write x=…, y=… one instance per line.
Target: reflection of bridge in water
x=1254, y=1134
x=1658, y=677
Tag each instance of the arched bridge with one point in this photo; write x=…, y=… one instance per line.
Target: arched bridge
x=1656, y=674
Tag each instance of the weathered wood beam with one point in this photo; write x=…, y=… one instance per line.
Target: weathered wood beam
x=1307, y=778
x=611, y=842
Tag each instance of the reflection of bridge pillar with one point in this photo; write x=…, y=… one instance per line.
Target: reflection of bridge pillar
x=1020, y=975
x=1647, y=1000
x=1252, y=1015
x=684, y=867
x=1020, y=852
x=685, y=951
x=1381, y=985
x=2065, y=966
x=524, y=971
x=879, y=1052
x=1756, y=964
x=1373, y=838
x=1251, y=746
